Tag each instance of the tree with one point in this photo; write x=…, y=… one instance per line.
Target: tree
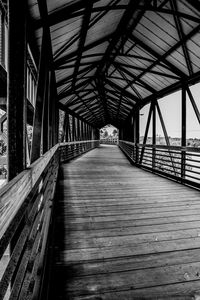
x=115, y=132
x=2, y=147
x=105, y=134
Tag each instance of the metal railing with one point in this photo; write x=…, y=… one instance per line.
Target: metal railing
x=176, y=162
x=26, y=205
x=109, y=141
x=71, y=150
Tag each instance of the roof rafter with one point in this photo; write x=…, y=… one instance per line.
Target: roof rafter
x=181, y=36
x=150, y=71
x=131, y=14
x=125, y=93
x=83, y=34
x=64, y=59
x=87, y=107
x=83, y=71
x=144, y=84
x=76, y=10
x=77, y=36
x=71, y=91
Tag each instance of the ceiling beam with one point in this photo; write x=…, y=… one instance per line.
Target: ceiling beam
x=194, y=4
x=162, y=58
x=77, y=36
x=129, y=20
x=144, y=68
x=83, y=35
x=68, y=78
x=71, y=91
x=124, y=92
x=77, y=9
x=181, y=36
x=72, y=113
x=58, y=62
x=159, y=58
x=143, y=83
x=92, y=113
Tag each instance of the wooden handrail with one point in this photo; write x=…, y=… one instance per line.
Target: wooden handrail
x=14, y=193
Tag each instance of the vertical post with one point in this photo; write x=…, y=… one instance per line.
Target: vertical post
x=40, y=96
x=45, y=118
x=154, y=134
x=78, y=130
x=63, y=137
x=82, y=138
x=183, y=132
x=73, y=128
x=137, y=135
x=50, y=132
x=66, y=138
x=85, y=132
x=56, y=129
x=70, y=128
x=146, y=132
x=16, y=106
x=2, y=38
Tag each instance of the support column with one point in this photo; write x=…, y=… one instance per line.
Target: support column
x=45, y=119
x=82, y=136
x=183, y=132
x=73, y=129
x=16, y=106
x=137, y=135
x=154, y=134
x=50, y=133
x=63, y=136
x=78, y=130
x=40, y=96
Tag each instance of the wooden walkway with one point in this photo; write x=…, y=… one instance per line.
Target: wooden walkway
x=123, y=233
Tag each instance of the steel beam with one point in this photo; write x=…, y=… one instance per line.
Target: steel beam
x=16, y=88
x=183, y=132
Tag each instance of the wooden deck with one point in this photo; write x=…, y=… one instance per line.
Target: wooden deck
x=123, y=233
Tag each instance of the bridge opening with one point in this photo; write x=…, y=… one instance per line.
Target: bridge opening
x=109, y=134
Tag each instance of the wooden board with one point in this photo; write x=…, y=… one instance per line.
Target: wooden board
x=123, y=233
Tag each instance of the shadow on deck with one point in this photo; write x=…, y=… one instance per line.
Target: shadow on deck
x=123, y=233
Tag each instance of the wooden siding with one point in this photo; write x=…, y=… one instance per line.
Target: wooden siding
x=123, y=233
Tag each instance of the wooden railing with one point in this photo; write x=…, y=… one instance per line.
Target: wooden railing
x=26, y=205
x=176, y=162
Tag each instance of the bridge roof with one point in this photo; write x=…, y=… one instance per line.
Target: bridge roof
x=110, y=56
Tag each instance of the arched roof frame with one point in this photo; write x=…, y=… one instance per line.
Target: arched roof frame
x=113, y=56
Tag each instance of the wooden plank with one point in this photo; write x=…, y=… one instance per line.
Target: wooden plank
x=84, y=213
x=129, y=240
x=78, y=235
x=179, y=291
x=129, y=223
x=135, y=279
x=130, y=263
